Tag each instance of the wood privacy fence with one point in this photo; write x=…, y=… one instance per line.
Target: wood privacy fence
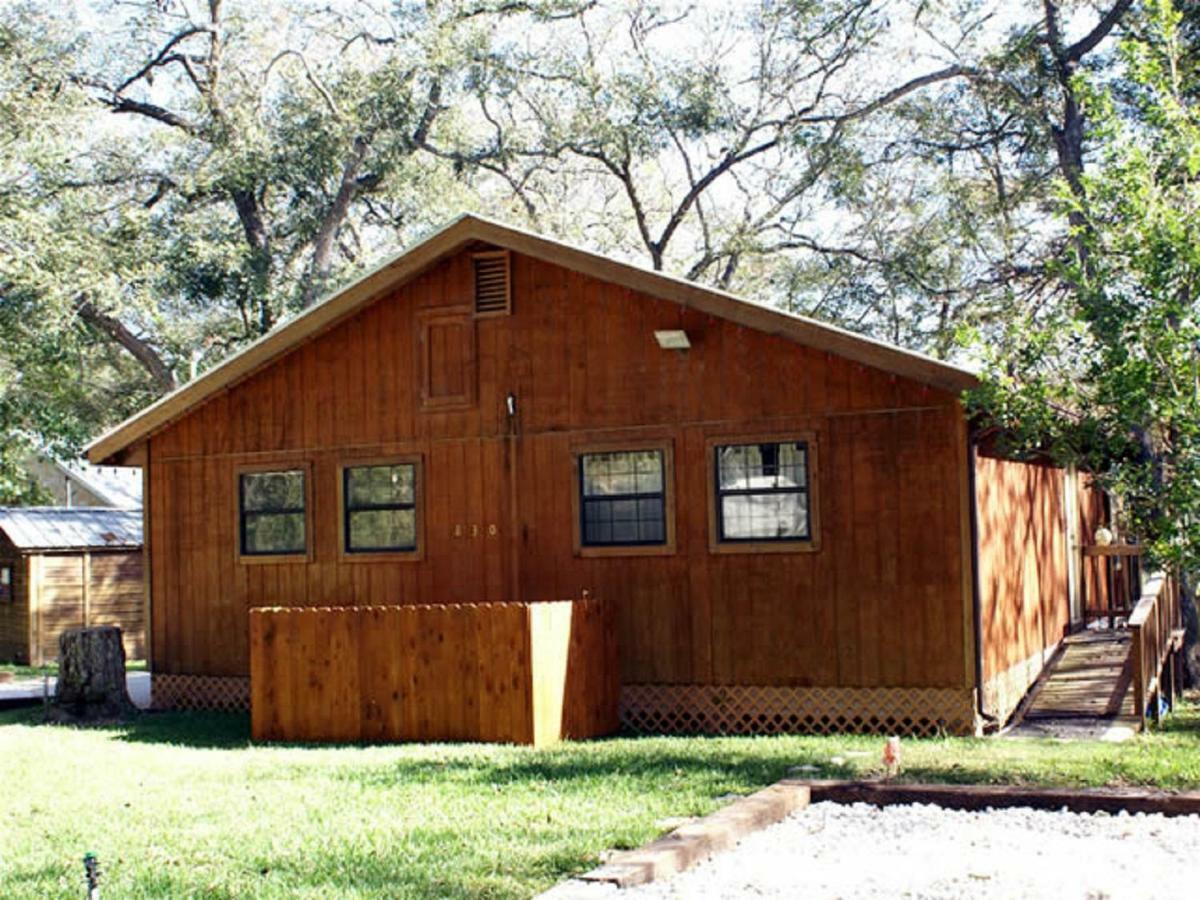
x=1156, y=633
x=526, y=673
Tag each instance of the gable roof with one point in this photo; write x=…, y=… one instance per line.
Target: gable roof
x=117, y=486
x=468, y=229
x=74, y=528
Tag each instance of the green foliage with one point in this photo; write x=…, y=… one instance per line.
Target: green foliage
x=1112, y=375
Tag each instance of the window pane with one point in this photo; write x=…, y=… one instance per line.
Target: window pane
x=273, y=490
x=764, y=516
x=623, y=498
x=633, y=472
x=383, y=529
x=599, y=532
x=613, y=521
x=273, y=533
x=763, y=466
x=381, y=485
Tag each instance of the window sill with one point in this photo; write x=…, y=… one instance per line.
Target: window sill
x=725, y=548
x=268, y=559
x=625, y=550
x=382, y=556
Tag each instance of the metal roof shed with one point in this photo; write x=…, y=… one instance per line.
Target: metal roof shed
x=63, y=568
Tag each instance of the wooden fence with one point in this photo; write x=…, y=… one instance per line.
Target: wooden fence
x=526, y=673
x=1156, y=634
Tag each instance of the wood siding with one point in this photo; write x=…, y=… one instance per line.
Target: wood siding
x=1022, y=561
x=881, y=603
x=509, y=672
x=70, y=590
x=14, y=616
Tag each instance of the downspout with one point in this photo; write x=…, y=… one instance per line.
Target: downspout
x=989, y=720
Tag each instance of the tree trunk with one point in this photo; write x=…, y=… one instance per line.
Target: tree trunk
x=91, y=674
x=1191, y=625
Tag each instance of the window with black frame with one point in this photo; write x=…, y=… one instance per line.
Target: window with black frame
x=622, y=498
x=271, y=506
x=380, y=508
x=762, y=492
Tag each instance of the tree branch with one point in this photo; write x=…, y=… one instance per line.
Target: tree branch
x=147, y=356
x=1088, y=42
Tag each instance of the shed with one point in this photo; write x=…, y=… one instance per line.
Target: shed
x=65, y=568
x=790, y=521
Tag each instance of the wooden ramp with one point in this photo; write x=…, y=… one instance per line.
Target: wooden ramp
x=1090, y=679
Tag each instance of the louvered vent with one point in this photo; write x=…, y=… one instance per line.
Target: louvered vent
x=493, y=294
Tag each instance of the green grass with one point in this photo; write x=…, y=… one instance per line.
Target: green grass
x=20, y=672
x=182, y=805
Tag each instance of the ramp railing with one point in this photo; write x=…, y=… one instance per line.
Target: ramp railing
x=1156, y=632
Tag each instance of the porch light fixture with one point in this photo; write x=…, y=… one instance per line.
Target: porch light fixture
x=672, y=340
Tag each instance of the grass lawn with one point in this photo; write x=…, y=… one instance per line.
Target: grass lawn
x=181, y=804
x=20, y=672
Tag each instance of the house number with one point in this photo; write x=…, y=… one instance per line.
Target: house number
x=459, y=530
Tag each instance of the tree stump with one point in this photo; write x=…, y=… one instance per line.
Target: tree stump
x=91, y=674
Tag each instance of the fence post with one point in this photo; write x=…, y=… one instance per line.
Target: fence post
x=1139, y=678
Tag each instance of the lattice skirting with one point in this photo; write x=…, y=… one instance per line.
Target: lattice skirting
x=231, y=694
x=749, y=709
x=1003, y=693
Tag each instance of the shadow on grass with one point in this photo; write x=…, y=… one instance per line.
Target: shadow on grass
x=202, y=730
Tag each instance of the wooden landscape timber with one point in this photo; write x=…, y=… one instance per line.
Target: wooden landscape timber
x=494, y=407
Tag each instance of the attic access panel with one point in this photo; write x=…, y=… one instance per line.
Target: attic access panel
x=446, y=358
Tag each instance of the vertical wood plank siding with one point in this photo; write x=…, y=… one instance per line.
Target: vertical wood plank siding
x=70, y=590
x=881, y=602
x=14, y=616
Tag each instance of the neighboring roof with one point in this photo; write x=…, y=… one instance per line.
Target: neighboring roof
x=76, y=528
x=467, y=229
x=119, y=486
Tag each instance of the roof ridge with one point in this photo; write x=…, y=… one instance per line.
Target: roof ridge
x=440, y=243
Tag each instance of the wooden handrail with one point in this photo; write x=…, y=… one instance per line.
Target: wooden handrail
x=1112, y=550
x=1154, y=626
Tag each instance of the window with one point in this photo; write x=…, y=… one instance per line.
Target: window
x=379, y=505
x=272, y=511
x=6, y=579
x=762, y=494
x=623, y=498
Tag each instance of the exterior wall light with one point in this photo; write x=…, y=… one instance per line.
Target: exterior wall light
x=672, y=340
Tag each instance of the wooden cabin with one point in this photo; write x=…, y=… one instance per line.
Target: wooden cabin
x=68, y=568
x=791, y=521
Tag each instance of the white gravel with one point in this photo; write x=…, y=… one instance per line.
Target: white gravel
x=917, y=851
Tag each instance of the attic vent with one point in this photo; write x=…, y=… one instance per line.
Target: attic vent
x=493, y=292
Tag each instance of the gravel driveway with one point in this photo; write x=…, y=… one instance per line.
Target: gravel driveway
x=832, y=850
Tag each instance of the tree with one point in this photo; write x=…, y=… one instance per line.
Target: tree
x=174, y=189
x=696, y=135
x=1115, y=381
x=952, y=226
